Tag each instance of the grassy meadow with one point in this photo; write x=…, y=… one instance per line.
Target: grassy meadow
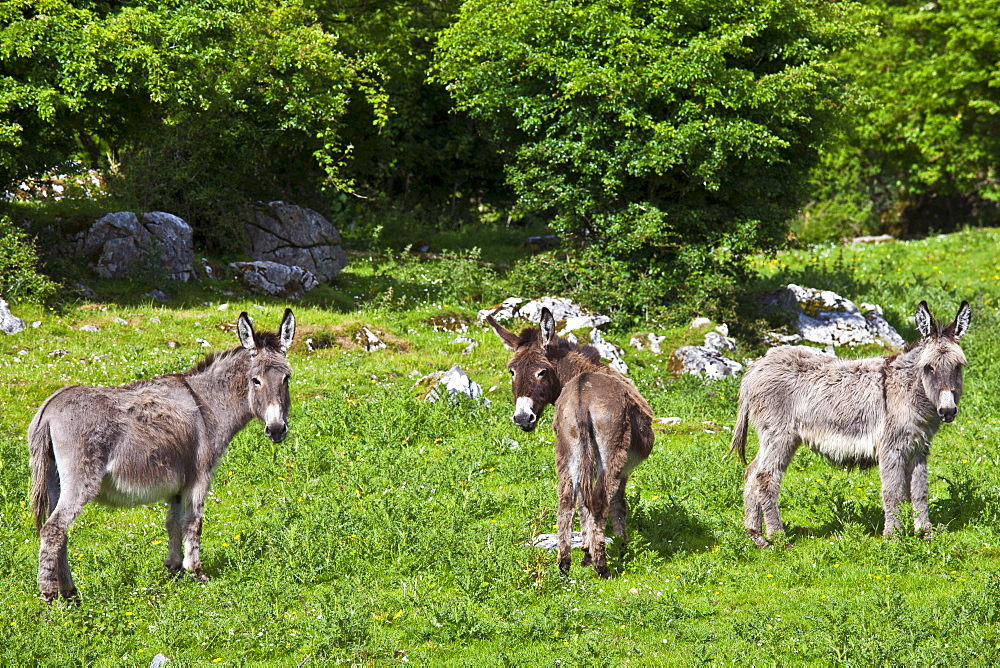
x=388, y=530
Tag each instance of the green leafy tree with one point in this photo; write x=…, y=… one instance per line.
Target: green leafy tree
x=426, y=159
x=923, y=149
x=204, y=103
x=670, y=138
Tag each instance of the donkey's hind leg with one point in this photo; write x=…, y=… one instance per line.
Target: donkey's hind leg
x=763, y=484
x=617, y=507
x=585, y=521
x=597, y=504
x=564, y=520
x=753, y=513
x=54, y=576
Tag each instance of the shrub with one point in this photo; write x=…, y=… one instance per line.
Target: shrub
x=20, y=274
x=672, y=140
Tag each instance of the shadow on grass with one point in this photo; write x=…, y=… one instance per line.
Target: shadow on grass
x=670, y=529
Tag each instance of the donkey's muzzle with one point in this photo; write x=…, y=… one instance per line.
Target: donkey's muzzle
x=526, y=421
x=948, y=414
x=277, y=432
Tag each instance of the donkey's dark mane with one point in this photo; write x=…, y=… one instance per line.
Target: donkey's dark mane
x=559, y=347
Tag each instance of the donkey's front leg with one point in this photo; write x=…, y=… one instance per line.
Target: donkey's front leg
x=916, y=471
x=192, y=529
x=176, y=522
x=895, y=487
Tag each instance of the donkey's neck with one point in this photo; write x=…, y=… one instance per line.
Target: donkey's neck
x=577, y=361
x=907, y=367
x=222, y=389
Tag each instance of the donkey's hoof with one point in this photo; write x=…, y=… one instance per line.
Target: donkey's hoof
x=586, y=559
x=199, y=576
x=564, y=565
x=603, y=572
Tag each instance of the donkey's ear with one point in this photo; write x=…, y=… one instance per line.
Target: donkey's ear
x=509, y=338
x=925, y=321
x=287, y=330
x=961, y=324
x=548, y=326
x=244, y=327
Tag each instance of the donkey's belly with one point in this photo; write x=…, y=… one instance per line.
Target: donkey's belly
x=123, y=494
x=842, y=449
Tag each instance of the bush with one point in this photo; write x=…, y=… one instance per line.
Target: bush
x=921, y=153
x=671, y=140
x=20, y=274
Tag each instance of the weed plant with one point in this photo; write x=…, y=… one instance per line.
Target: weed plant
x=388, y=530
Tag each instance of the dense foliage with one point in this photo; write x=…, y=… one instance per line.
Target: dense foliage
x=427, y=159
x=205, y=104
x=922, y=150
x=21, y=276
x=664, y=142
x=659, y=133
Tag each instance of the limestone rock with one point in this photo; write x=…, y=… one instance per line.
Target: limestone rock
x=118, y=244
x=275, y=279
x=9, y=323
x=295, y=236
x=452, y=383
x=568, y=315
x=708, y=359
x=824, y=317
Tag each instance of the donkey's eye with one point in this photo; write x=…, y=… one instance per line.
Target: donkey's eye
x=256, y=382
x=286, y=380
x=511, y=372
x=929, y=369
x=541, y=372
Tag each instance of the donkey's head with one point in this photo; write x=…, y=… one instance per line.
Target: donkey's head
x=941, y=359
x=269, y=373
x=533, y=376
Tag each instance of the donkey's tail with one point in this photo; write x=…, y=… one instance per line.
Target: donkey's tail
x=44, y=475
x=739, y=444
x=591, y=488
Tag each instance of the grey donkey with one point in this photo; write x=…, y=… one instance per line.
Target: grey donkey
x=858, y=413
x=151, y=440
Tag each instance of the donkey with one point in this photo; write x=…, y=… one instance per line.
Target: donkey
x=857, y=413
x=604, y=429
x=151, y=440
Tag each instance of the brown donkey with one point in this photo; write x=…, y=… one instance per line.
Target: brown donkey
x=881, y=410
x=604, y=429
x=151, y=440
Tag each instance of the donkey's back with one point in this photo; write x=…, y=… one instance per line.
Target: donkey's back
x=834, y=406
x=616, y=416
x=139, y=443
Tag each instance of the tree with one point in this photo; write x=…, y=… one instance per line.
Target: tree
x=670, y=138
x=204, y=102
x=426, y=159
x=923, y=150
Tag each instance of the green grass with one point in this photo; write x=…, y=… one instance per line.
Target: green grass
x=386, y=530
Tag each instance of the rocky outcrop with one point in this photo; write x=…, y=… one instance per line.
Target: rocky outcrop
x=824, y=317
x=708, y=359
x=452, y=383
x=119, y=244
x=295, y=236
x=9, y=323
x=568, y=315
x=274, y=279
